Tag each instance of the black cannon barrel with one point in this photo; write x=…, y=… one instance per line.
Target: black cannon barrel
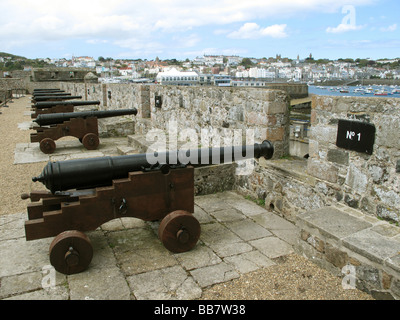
x=47, y=93
x=55, y=118
x=49, y=104
x=97, y=172
x=48, y=90
x=55, y=98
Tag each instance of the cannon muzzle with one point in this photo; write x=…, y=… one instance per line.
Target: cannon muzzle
x=98, y=172
x=56, y=118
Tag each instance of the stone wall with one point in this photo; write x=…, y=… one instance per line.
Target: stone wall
x=331, y=175
x=11, y=83
x=370, y=183
x=59, y=74
x=294, y=90
x=217, y=110
x=220, y=111
x=30, y=86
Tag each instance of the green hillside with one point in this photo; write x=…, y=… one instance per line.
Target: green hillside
x=14, y=62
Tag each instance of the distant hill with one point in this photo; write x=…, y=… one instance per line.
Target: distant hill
x=19, y=62
x=5, y=54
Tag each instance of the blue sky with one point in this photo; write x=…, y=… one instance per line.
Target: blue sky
x=147, y=29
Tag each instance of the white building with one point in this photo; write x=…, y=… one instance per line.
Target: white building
x=261, y=73
x=125, y=71
x=212, y=60
x=180, y=78
x=242, y=74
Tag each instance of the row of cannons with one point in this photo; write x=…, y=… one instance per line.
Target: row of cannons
x=85, y=193
x=53, y=113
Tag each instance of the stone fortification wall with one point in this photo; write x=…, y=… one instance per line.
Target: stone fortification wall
x=30, y=86
x=217, y=110
x=220, y=111
x=367, y=182
x=294, y=90
x=11, y=83
x=370, y=183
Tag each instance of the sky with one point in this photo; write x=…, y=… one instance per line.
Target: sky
x=180, y=29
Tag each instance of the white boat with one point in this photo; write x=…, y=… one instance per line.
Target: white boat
x=381, y=93
x=369, y=90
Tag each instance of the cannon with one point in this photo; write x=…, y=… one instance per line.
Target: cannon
x=49, y=104
x=86, y=193
x=82, y=125
x=49, y=93
x=45, y=107
x=47, y=90
x=55, y=98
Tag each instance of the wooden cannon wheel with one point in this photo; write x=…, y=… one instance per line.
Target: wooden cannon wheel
x=71, y=252
x=90, y=141
x=47, y=145
x=179, y=231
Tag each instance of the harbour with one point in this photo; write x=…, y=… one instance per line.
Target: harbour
x=387, y=91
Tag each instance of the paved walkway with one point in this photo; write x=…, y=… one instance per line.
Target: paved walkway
x=130, y=262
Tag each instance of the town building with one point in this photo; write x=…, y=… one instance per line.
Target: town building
x=175, y=77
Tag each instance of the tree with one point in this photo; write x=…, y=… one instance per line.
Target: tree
x=247, y=63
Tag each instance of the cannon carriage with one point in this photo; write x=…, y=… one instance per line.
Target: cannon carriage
x=82, y=125
x=84, y=194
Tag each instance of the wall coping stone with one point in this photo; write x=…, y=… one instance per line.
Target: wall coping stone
x=369, y=243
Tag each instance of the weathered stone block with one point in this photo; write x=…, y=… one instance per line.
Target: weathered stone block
x=304, y=235
x=210, y=275
x=335, y=256
x=396, y=287
x=356, y=179
x=351, y=200
x=386, y=280
x=324, y=133
x=274, y=107
x=338, y=156
x=388, y=196
x=367, y=278
x=388, y=133
x=387, y=213
x=379, y=174
x=275, y=134
x=256, y=118
x=322, y=170
x=313, y=118
x=317, y=243
x=372, y=245
x=333, y=222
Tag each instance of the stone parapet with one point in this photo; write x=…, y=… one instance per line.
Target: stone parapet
x=363, y=250
x=215, y=110
x=367, y=182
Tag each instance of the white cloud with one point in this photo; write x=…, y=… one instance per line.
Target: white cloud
x=341, y=28
x=251, y=30
x=390, y=28
x=148, y=24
